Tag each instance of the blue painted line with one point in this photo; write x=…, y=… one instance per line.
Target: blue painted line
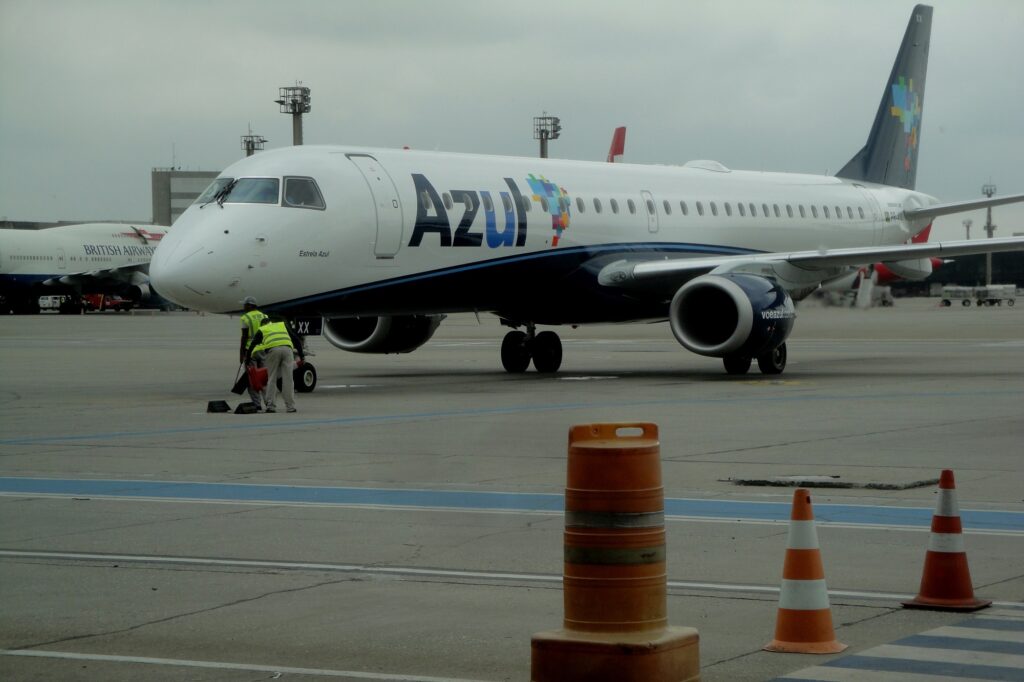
x=490, y=501
x=902, y=665
x=252, y=425
x=963, y=644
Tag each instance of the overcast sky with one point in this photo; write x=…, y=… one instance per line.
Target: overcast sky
x=96, y=93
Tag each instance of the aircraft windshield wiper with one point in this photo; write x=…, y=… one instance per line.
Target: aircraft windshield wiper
x=221, y=194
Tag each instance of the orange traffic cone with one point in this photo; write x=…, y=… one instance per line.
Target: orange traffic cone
x=946, y=581
x=804, y=624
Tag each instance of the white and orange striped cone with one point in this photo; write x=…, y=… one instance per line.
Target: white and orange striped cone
x=804, y=624
x=946, y=580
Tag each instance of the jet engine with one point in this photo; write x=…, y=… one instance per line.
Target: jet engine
x=731, y=315
x=386, y=334
x=139, y=292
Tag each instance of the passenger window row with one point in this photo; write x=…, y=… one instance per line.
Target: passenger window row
x=741, y=209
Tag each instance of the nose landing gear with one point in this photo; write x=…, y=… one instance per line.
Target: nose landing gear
x=519, y=348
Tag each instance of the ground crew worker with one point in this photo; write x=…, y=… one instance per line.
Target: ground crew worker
x=251, y=319
x=278, y=343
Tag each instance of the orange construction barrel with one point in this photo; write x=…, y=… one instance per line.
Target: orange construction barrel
x=614, y=587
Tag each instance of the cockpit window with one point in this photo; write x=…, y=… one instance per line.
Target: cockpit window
x=302, y=193
x=211, y=192
x=254, y=191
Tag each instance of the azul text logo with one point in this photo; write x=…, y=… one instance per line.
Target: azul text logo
x=432, y=213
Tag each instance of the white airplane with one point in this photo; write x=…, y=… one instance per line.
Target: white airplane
x=75, y=259
x=383, y=243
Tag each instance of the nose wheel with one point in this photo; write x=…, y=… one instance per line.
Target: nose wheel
x=519, y=348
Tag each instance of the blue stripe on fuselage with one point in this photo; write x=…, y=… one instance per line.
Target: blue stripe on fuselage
x=346, y=300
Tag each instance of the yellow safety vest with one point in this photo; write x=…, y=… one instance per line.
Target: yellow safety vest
x=274, y=334
x=252, y=320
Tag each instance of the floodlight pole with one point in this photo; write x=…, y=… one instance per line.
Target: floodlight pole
x=967, y=226
x=988, y=190
x=295, y=100
x=546, y=128
x=252, y=143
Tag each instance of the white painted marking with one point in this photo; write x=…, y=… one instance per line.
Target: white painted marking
x=826, y=674
x=931, y=655
x=585, y=378
x=1004, y=344
x=978, y=633
x=219, y=665
x=344, y=385
x=434, y=572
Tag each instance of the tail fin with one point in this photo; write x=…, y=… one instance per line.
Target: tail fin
x=890, y=155
x=618, y=144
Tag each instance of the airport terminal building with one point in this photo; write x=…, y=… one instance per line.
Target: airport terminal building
x=175, y=190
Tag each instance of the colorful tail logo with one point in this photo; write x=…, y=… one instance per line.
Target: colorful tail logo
x=906, y=106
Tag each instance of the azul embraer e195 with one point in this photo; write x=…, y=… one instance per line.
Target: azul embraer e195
x=381, y=244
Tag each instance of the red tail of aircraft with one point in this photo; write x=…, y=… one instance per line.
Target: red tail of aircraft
x=618, y=144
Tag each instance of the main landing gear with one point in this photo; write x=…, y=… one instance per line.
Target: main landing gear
x=518, y=348
x=772, y=362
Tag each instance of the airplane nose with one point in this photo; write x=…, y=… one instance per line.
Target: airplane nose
x=176, y=272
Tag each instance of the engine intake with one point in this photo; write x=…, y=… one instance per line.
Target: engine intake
x=387, y=334
x=731, y=314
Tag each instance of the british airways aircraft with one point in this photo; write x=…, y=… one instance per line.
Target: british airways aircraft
x=383, y=243
x=75, y=259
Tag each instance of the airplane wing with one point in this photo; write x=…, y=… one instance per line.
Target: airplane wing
x=935, y=210
x=132, y=275
x=794, y=269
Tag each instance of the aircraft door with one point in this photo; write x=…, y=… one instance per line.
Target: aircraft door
x=874, y=213
x=61, y=260
x=386, y=203
x=651, y=209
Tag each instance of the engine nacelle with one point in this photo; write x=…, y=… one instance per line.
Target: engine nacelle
x=913, y=270
x=731, y=314
x=139, y=292
x=388, y=334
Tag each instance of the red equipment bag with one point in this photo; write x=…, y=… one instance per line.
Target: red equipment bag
x=257, y=377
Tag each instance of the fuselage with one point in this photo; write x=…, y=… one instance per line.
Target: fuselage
x=28, y=258
x=401, y=231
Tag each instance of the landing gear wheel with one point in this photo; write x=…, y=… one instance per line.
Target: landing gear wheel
x=736, y=364
x=547, y=352
x=305, y=378
x=515, y=355
x=773, y=362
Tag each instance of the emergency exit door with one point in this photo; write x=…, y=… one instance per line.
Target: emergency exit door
x=651, y=210
x=386, y=203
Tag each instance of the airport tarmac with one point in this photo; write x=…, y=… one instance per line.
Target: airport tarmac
x=406, y=523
